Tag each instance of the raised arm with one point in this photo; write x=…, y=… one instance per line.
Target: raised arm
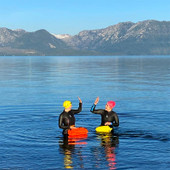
x=79, y=108
x=99, y=111
x=96, y=101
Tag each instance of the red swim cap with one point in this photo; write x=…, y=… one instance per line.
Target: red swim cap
x=111, y=104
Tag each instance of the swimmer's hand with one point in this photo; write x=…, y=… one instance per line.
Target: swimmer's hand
x=107, y=123
x=96, y=101
x=73, y=127
x=80, y=101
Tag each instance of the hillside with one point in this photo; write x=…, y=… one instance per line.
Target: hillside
x=142, y=38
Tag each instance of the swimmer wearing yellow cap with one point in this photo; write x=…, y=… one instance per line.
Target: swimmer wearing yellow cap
x=67, y=118
x=67, y=104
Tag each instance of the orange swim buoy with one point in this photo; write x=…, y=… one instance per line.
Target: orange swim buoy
x=79, y=132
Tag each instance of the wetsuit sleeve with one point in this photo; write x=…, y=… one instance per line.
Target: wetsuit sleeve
x=99, y=111
x=116, y=123
x=61, y=125
x=78, y=110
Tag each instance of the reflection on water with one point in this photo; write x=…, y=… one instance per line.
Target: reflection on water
x=103, y=156
x=109, y=143
x=67, y=148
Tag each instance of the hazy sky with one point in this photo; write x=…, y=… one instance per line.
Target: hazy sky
x=73, y=16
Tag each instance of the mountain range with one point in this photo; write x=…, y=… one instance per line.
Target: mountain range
x=148, y=37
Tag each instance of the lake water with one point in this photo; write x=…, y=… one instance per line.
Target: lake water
x=32, y=91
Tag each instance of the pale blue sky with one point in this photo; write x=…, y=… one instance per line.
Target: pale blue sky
x=73, y=16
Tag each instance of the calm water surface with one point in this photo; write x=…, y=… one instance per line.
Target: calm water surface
x=32, y=91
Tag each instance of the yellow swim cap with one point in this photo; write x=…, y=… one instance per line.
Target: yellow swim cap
x=67, y=104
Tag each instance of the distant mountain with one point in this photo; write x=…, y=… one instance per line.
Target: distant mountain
x=143, y=38
x=41, y=42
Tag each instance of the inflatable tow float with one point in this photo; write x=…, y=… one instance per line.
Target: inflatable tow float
x=104, y=129
x=79, y=132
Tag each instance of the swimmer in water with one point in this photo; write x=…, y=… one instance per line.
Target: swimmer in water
x=108, y=116
x=67, y=118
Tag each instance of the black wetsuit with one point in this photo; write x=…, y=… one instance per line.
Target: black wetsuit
x=67, y=119
x=106, y=116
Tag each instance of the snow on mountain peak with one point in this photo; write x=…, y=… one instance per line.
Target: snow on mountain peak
x=62, y=36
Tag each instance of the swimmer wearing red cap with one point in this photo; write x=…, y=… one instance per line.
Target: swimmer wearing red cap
x=108, y=116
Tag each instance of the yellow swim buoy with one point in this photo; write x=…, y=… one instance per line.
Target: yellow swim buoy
x=104, y=129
